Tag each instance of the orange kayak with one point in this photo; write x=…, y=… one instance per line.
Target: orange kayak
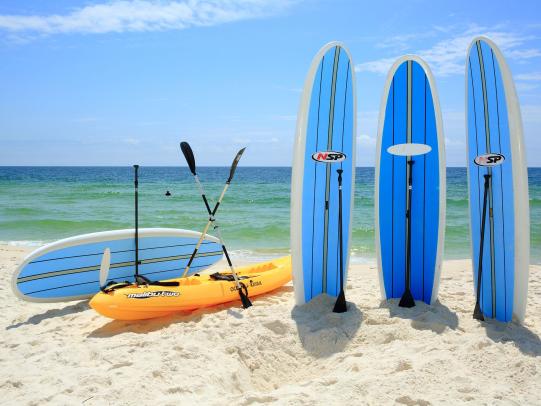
x=148, y=301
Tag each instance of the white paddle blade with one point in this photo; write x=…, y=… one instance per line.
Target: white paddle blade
x=409, y=149
x=104, y=268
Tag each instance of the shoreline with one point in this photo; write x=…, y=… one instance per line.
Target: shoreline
x=376, y=353
x=239, y=254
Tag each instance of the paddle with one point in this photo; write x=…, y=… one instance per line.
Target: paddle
x=477, y=313
x=340, y=305
x=408, y=150
x=407, y=298
x=190, y=159
x=104, y=267
x=329, y=158
x=139, y=279
x=487, y=160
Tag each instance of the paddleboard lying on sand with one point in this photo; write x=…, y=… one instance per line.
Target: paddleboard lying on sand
x=69, y=269
x=145, y=302
x=410, y=130
x=494, y=129
x=325, y=142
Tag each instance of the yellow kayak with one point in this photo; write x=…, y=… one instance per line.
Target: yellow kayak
x=148, y=301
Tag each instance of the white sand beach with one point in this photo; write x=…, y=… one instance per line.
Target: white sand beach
x=376, y=353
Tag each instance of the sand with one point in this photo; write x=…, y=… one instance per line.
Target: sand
x=376, y=353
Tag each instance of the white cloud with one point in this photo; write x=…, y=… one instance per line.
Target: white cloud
x=447, y=56
x=451, y=142
x=403, y=41
x=522, y=54
x=140, y=15
x=531, y=114
x=248, y=140
x=529, y=77
x=366, y=140
x=381, y=66
x=525, y=86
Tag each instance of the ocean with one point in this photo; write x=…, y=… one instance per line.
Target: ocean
x=43, y=204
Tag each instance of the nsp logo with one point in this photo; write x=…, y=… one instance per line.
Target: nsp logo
x=489, y=159
x=328, y=156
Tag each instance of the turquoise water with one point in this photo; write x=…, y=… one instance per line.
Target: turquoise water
x=41, y=204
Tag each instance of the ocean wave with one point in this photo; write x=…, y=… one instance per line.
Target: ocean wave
x=24, y=243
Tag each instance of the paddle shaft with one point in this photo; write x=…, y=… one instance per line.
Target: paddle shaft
x=408, y=215
x=136, y=185
x=340, y=234
x=407, y=298
x=211, y=220
x=340, y=305
x=477, y=314
x=190, y=159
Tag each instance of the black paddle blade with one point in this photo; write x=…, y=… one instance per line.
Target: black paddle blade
x=340, y=306
x=188, y=154
x=234, y=164
x=477, y=313
x=407, y=299
x=243, y=293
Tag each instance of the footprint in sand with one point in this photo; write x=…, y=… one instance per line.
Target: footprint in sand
x=403, y=365
x=259, y=399
x=406, y=400
x=121, y=364
x=277, y=327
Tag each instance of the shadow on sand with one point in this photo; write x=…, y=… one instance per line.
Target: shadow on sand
x=436, y=317
x=525, y=340
x=234, y=309
x=50, y=314
x=322, y=332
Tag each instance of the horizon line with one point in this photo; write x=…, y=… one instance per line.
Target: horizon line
x=185, y=166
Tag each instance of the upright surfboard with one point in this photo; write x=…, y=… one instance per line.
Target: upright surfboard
x=325, y=142
x=69, y=269
x=410, y=130
x=494, y=129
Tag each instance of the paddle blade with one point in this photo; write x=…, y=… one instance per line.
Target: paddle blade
x=104, y=268
x=340, y=306
x=407, y=299
x=234, y=164
x=188, y=154
x=477, y=313
x=243, y=293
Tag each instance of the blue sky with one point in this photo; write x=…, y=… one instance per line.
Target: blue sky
x=118, y=82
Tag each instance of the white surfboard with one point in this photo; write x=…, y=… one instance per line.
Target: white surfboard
x=69, y=269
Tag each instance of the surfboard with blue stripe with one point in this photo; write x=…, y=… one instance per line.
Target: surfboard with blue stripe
x=69, y=269
x=325, y=125
x=494, y=127
x=411, y=115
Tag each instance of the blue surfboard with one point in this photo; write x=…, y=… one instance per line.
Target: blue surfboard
x=494, y=129
x=325, y=142
x=69, y=269
x=410, y=121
